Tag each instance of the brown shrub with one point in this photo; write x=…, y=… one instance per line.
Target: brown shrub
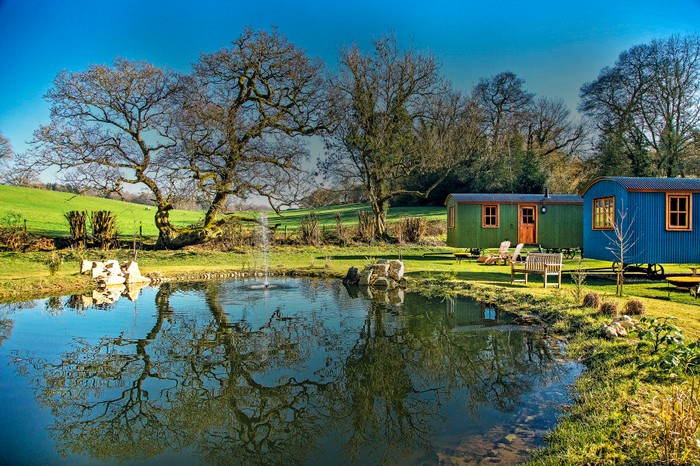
x=609, y=308
x=412, y=229
x=591, y=300
x=634, y=307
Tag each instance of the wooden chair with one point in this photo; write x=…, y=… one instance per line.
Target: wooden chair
x=501, y=256
x=515, y=257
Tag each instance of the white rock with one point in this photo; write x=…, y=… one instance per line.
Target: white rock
x=618, y=329
x=132, y=273
x=610, y=332
x=396, y=270
x=365, y=277
x=98, y=270
x=85, y=266
x=381, y=269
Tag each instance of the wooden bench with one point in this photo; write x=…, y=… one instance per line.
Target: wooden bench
x=538, y=264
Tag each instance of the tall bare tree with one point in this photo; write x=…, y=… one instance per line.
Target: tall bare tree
x=505, y=107
x=549, y=128
x=110, y=126
x=394, y=118
x=242, y=121
x=649, y=103
x=5, y=148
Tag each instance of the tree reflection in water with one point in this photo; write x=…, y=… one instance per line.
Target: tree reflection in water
x=229, y=389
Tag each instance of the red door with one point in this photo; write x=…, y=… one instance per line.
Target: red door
x=527, y=224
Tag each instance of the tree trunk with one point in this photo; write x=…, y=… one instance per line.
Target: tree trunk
x=380, y=209
x=170, y=237
x=166, y=232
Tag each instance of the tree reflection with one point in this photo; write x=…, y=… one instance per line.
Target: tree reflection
x=236, y=392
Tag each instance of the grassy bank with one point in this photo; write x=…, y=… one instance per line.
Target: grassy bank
x=620, y=400
x=44, y=212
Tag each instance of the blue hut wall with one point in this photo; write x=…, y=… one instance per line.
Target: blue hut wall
x=646, y=213
x=595, y=242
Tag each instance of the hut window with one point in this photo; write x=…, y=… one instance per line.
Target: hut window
x=604, y=213
x=451, y=217
x=678, y=212
x=489, y=216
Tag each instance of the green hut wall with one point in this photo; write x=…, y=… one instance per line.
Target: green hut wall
x=560, y=227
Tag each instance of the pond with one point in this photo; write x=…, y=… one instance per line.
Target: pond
x=305, y=372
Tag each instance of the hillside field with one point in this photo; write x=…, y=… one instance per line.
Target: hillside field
x=44, y=212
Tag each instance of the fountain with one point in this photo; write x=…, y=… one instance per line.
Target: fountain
x=266, y=251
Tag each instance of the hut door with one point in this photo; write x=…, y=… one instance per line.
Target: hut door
x=527, y=224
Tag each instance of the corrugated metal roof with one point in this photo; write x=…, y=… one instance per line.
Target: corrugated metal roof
x=651, y=184
x=498, y=198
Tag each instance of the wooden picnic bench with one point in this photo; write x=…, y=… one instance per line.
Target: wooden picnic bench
x=538, y=264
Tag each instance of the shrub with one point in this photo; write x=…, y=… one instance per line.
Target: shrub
x=591, y=300
x=609, y=308
x=340, y=231
x=673, y=431
x=412, y=229
x=634, y=307
x=365, y=227
x=309, y=232
x=104, y=228
x=77, y=221
x=54, y=262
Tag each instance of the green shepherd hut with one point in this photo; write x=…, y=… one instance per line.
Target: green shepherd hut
x=478, y=221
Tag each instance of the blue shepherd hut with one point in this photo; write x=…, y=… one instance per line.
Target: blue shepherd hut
x=659, y=219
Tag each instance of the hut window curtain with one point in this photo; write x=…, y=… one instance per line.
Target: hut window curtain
x=451, y=217
x=489, y=216
x=678, y=212
x=604, y=213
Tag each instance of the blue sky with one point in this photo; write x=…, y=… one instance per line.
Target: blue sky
x=555, y=46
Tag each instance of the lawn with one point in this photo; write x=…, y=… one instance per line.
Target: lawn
x=44, y=212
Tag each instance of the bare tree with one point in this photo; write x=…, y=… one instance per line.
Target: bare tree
x=5, y=148
x=504, y=104
x=622, y=239
x=504, y=107
x=242, y=119
x=649, y=102
x=550, y=128
x=394, y=118
x=110, y=126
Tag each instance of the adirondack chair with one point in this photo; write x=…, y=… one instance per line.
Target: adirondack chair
x=515, y=257
x=501, y=256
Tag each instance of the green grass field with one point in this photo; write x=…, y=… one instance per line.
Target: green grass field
x=44, y=212
x=290, y=219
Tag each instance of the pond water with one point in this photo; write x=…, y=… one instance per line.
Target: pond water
x=304, y=372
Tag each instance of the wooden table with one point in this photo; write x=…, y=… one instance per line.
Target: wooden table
x=695, y=270
x=684, y=283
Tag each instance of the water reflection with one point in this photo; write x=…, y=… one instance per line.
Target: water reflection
x=294, y=377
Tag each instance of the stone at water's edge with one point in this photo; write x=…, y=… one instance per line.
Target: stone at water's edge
x=112, y=273
x=86, y=266
x=132, y=273
x=382, y=274
x=352, y=278
x=366, y=277
x=396, y=270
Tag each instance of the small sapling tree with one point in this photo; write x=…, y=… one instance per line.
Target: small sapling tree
x=622, y=239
